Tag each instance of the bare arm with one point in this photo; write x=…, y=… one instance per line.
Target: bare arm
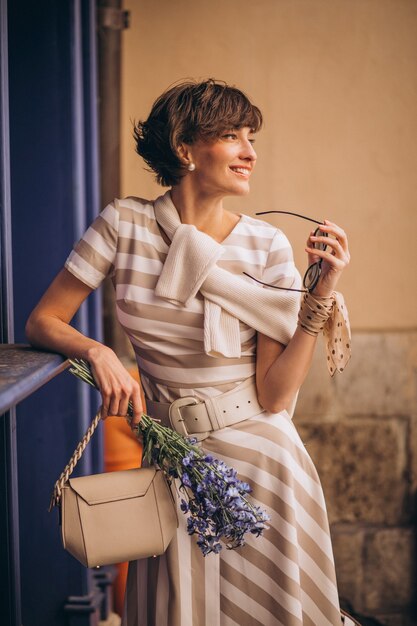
x=49, y=327
x=280, y=370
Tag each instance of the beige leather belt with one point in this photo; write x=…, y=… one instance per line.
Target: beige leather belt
x=192, y=417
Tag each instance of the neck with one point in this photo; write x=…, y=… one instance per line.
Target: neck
x=205, y=212
x=196, y=208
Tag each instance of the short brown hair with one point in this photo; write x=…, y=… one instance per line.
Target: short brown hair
x=185, y=113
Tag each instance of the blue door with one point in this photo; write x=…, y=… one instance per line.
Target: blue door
x=49, y=194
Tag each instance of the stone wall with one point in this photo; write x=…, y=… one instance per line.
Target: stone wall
x=361, y=431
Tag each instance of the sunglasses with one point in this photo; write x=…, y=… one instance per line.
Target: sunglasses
x=312, y=275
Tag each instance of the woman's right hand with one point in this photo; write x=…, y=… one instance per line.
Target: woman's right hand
x=49, y=327
x=116, y=385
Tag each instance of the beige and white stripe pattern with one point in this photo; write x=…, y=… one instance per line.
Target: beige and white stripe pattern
x=286, y=577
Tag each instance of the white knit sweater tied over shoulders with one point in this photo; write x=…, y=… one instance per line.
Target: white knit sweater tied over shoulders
x=191, y=266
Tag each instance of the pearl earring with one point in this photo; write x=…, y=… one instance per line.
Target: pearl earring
x=191, y=167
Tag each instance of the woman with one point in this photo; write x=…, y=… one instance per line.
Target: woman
x=201, y=330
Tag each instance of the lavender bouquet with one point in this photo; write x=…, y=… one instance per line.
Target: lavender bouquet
x=212, y=496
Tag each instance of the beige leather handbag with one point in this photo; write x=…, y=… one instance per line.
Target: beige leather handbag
x=116, y=516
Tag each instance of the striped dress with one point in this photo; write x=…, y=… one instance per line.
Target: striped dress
x=286, y=577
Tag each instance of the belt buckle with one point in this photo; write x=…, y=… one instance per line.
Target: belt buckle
x=177, y=421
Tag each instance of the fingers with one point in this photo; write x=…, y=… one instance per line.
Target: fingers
x=335, y=243
x=119, y=400
x=335, y=255
x=328, y=242
x=116, y=385
x=116, y=397
x=332, y=259
x=137, y=409
x=337, y=232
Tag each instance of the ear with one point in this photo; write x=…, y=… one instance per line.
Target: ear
x=184, y=153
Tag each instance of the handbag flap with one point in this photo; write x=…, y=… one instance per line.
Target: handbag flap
x=112, y=486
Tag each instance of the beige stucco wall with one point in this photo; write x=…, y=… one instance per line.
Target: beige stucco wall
x=337, y=83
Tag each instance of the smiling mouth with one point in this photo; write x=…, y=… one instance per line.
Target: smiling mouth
x=241, y=171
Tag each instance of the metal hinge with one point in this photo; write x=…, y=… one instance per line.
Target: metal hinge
x=115, y=19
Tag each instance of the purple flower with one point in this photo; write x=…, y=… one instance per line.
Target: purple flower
x=232, y=492
x=185, y=479
x=184, y=506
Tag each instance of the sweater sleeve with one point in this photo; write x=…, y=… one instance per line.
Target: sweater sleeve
x=93, y=257
x=280, y=269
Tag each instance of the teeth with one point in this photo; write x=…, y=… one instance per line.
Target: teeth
x=240, y=170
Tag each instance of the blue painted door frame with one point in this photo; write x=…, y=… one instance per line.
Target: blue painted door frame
x=54, y=194
x=9, y=531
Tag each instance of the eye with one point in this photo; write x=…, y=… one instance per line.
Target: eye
x=251, y=140
x=230, y=136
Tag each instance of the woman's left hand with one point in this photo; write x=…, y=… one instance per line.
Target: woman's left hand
x=335, y=258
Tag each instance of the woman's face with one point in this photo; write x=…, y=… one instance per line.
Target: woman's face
x=224, y=165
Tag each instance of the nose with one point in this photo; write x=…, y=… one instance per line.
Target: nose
x=248, y=151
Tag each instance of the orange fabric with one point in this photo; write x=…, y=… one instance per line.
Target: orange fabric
x=122, y=450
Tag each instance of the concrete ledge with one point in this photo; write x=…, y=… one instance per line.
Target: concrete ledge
x=23, y=370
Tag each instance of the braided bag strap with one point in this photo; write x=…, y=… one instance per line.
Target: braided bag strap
x=69, y=468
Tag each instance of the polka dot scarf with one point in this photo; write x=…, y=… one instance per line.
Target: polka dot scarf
x=330, y=316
